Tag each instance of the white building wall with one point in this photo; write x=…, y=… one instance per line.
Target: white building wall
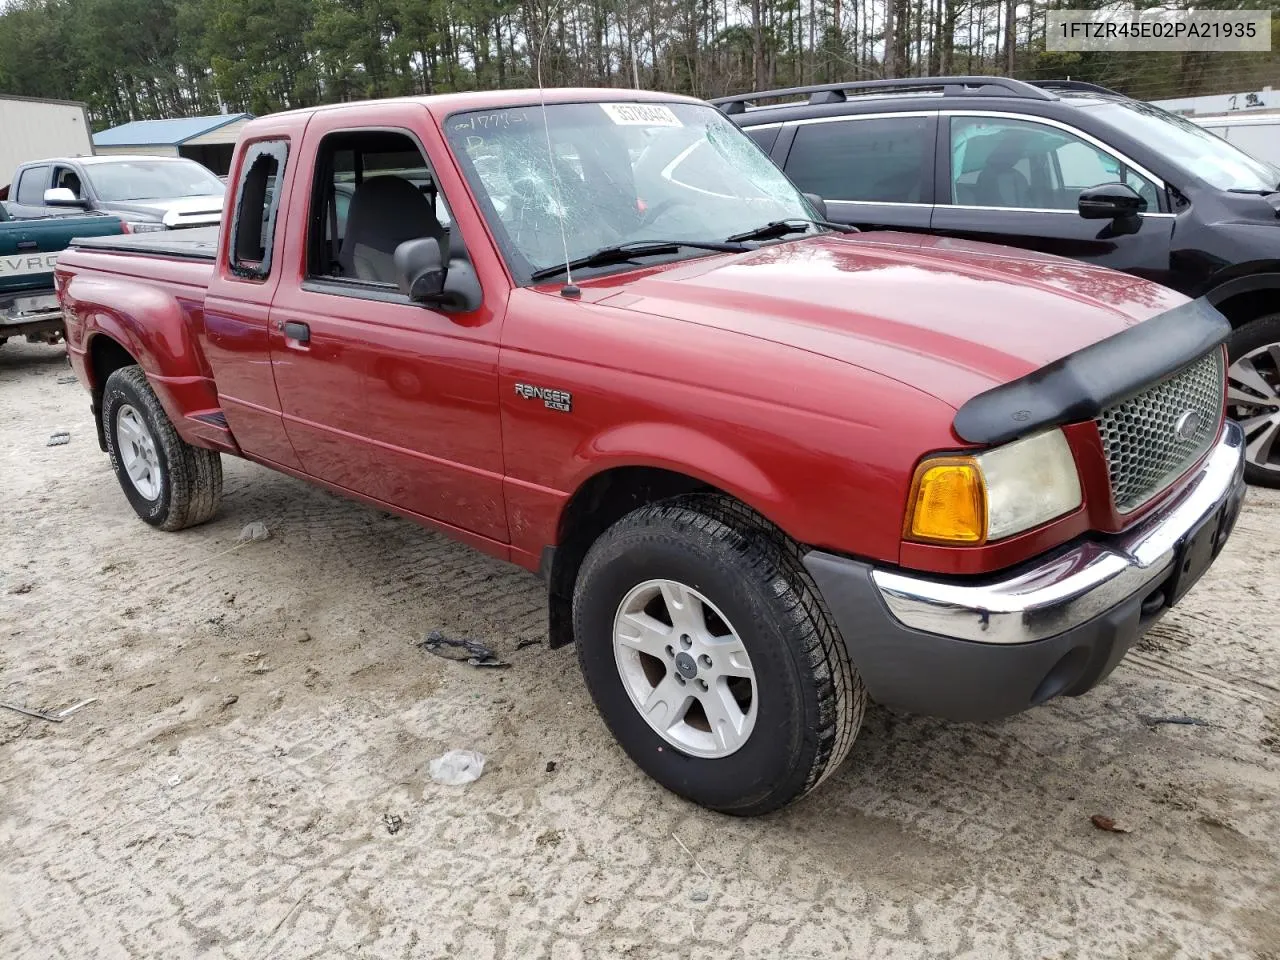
x=1248, y=100
x=36, y=129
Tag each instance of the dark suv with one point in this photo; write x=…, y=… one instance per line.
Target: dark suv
x=1060, y=167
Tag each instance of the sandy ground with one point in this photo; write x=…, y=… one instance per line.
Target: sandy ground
x=263, y=714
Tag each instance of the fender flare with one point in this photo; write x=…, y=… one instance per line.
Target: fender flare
x=1242, y=278
x=146, y=321
x=678, y=449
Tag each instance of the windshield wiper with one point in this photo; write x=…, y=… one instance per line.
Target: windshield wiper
x=624, y=252
x=780, y=228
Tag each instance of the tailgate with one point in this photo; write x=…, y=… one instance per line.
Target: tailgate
x=29, y=248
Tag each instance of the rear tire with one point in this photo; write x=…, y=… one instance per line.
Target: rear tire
x=169, y=483
x=1253, y=352
x=806, y=702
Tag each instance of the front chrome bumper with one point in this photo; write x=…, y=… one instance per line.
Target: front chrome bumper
x=1077, y=585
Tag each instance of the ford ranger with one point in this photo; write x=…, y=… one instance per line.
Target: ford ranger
x=768, y=471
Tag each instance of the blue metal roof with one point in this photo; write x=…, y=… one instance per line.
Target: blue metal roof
x=155, y=133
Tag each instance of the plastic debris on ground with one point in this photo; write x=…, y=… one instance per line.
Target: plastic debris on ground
x=1109, y=825
x=393, y=823
x=51, y=717
x=457, y=767
x=58, y=439
x=254, y=531
x=462, y=650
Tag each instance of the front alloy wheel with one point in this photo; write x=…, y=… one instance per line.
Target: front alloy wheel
x=1253, y=397
x=685, y=669
x=711, y=657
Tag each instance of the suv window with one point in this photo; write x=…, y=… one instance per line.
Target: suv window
x=257, y=200
x=765, y=137
x=373, y=190
x=1000, y=162
x=31, y=186
x=881, y=159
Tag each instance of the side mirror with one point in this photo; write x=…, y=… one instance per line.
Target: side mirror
x=1110, y=201
x=62, y=197
x=420, y=270
x=818, y=204
x=423, y=277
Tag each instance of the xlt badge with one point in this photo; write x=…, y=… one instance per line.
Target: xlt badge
x=552, y=399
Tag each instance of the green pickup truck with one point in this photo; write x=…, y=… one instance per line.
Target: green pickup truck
x=28, y=249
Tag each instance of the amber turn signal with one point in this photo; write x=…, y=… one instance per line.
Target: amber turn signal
x=948, y=502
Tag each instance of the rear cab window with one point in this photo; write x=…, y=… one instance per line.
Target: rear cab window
x=256, y=206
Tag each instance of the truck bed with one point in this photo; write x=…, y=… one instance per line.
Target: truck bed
x=197, y=243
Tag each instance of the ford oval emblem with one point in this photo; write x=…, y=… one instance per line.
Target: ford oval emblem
x=1187, y=425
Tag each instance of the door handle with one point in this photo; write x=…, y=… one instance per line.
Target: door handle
x=27, y=244
x=294, y=330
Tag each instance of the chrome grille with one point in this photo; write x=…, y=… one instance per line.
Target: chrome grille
x=1140, y=435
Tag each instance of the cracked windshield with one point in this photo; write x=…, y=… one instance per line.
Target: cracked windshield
x=616, y=173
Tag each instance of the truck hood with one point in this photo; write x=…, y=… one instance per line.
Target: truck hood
x=952, y=318
x=178, y=211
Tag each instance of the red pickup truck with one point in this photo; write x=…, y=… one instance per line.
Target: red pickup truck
x=767, y=470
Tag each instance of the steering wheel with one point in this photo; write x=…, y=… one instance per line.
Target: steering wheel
x=658, y=209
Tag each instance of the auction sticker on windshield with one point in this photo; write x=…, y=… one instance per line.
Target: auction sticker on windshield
x=641, y=115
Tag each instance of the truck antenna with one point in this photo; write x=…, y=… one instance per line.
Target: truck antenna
x=570, y=289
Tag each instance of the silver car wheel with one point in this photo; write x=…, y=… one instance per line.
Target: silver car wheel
x=137, y=450
x=685, y=669
x=1253, y=399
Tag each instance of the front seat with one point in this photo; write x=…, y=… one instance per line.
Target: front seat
x=999, y=184
x=384, y=213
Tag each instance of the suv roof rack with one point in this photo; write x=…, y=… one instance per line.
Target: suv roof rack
x=950, y=87
x=1080, y=85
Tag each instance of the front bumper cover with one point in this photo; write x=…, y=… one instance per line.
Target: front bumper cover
x=978, y=649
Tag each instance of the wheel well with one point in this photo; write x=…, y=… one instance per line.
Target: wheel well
x=597, y=505
x=105, y=358
x=1249, y=305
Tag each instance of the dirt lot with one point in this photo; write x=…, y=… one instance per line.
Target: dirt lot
x=263, y=715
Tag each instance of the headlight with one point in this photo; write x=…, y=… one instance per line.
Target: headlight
x=974, y=499
x=143, y=226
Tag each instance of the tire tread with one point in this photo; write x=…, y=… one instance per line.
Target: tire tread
x=768, y=557
x=194, y=474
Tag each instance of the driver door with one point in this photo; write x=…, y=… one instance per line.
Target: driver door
x=380, y=395
x=1016, y=181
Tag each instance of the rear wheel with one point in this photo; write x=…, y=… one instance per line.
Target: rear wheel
x=712, y=658
x=169, y=483
x=1253, y=396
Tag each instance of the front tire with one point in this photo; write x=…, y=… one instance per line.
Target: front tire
x=169, y=483
x=711, y=656
x=1253, y=400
